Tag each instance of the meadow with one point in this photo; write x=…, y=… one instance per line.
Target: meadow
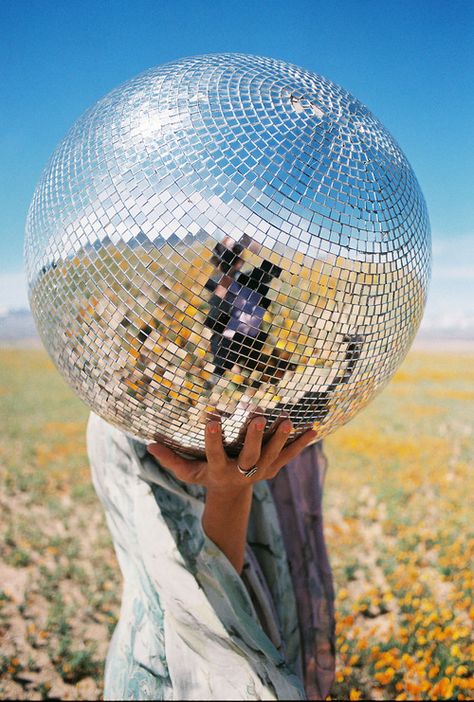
x=398, y=521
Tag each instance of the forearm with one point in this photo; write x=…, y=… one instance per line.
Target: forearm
x=228, y=492
x=225, y=521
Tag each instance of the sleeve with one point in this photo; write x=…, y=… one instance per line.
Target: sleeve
x=136, y=665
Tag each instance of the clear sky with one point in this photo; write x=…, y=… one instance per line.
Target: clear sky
x=410, y=61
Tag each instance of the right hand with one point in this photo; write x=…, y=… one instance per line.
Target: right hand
x=219, y=473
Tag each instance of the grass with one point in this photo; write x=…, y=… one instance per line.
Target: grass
x=398, y=524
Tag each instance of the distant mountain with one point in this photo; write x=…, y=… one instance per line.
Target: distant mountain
x=17, y=326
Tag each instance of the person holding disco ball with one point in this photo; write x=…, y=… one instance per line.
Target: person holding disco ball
x=228, y=256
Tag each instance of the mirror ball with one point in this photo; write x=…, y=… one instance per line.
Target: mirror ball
x=223, y=235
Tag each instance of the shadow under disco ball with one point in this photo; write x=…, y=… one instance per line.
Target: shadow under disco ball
x=226, y=232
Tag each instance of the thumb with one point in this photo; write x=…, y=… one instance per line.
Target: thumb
x=184, y=470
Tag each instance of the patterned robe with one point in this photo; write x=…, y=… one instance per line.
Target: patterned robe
x=191, y=627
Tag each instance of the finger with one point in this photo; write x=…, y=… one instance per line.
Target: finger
x=215, y=452
x=252, y=447
x=295, y=448
x=183, y=469
x=255, y=412
x=272, y=448
x=273, y=426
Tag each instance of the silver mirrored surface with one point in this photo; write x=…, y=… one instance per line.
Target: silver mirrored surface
x=222, y=233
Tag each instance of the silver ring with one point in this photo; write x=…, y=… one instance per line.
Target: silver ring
x=247, y=473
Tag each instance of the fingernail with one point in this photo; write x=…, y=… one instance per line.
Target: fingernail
x=287, y=428
x=213, y=427
x=260, y=425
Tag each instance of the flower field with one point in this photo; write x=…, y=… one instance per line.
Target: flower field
x=398, y=520
x=400, y=534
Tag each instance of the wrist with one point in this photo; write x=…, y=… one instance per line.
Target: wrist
x=229, y=493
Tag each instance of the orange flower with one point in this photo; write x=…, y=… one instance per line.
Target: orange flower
x=386, y=677
x=462, y=670
x=443, y=688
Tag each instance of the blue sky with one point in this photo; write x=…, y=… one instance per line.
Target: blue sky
x=409, y=61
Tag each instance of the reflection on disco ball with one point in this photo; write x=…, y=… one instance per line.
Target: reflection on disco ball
x=223, y=233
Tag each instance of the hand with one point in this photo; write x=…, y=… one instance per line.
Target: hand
x=219, y=473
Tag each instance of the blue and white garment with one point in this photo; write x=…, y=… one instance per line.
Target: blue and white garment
x=192, y=628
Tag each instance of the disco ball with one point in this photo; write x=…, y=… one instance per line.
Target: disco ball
x=222, y=233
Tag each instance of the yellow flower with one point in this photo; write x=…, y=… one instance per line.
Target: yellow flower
x=355, y=694
x=462, y=670
x=446, y=614
x=455, y=651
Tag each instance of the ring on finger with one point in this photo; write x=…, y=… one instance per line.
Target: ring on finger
x=249, y=472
